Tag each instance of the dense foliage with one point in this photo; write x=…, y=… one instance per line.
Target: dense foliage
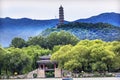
x=20, y=60
x=71, y=54
x=89, y=56
x=103, y=31
x=48, y=42
x=22, y=55
x=18, y=42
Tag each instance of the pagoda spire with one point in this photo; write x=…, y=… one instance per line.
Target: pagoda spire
x=61, y=15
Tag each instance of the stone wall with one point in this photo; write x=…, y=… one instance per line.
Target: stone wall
x=30, y=74
x=58, y=73
x=41, y=73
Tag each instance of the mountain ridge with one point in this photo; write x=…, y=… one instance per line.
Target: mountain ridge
x=91, y=31
x=111, y=18
x=25, y=27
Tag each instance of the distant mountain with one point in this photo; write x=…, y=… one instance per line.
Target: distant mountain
x=26, y=23
x=103, y=31
x=111, y=18
x=24, y=27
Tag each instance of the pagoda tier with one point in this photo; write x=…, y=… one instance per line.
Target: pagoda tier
x=61, y=15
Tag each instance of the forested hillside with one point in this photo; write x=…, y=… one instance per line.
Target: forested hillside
x=103, y=31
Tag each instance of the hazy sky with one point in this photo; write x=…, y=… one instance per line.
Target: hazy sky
x=48, y=9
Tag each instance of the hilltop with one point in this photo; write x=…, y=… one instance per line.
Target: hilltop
x=103, y=31
x=111, y=18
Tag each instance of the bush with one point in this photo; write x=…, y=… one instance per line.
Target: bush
x=34, y=75
x=109, y=75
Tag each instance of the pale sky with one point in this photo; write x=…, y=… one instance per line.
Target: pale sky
x=48, y=9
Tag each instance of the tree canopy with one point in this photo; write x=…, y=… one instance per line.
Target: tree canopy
x=70, y=53
x=20, y=60
x=89, y=55
x=55, y=38
x=18, y=42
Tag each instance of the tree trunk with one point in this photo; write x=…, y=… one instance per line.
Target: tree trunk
x=108, y=69
x=0, y=71
x=6, y=71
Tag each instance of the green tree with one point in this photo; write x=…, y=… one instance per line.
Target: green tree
x=37, y=40
x=61, y=38
x=2, y=55
x=34, y=52
x=88, y=55
x=16, y=60
x=55, y=38
x=6, y=65
x=56, y=48
x=116, y=50
x=61, y=55
x=22, y=60
x=18, y=42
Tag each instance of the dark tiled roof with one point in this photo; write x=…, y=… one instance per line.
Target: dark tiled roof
x=46, y=61
x=45, y=57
